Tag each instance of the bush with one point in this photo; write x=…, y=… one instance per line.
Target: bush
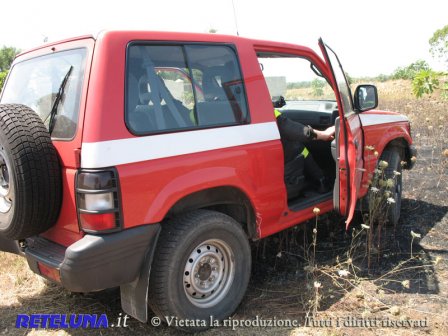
x=317, y=87
x=411, y=70
x=444, y=93
x=3, y=75
x=382, y=78
x=425, y=82
x=298, y=85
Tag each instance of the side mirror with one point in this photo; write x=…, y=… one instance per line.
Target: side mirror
x=366, y=97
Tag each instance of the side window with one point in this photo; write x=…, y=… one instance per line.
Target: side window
x=224, y=99
x=156, y=97
x=182, y=87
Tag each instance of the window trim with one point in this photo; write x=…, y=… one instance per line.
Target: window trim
x=182, y=45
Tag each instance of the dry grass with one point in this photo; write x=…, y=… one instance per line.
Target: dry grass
x=397, y=286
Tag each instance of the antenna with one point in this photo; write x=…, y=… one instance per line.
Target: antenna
x=234, y=18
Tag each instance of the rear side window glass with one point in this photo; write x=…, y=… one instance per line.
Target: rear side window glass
x=36, y=82
x=179, y=87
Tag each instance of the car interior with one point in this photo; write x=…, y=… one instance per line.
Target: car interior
x=290, y=80
x=319, y=115
x=322, y=117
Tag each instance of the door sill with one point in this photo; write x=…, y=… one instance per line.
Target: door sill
x=309, y=199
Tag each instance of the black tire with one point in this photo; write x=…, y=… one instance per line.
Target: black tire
x=30, y=174
x=196, y=241
x=393, y=157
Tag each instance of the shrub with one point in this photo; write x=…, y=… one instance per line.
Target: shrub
x=411, y=70
x=317, y=87
x=3, y=75
x=425, y=82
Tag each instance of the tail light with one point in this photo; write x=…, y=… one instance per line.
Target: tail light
x=98, y=201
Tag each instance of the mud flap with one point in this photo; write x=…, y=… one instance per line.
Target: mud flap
x=134, y=295
x=9, y=245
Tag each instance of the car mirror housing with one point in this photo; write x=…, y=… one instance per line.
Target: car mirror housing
x=366, y=97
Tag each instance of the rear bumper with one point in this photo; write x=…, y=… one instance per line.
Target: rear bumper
x=95, y=262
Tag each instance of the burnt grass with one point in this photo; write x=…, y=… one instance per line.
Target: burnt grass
x=401, y=278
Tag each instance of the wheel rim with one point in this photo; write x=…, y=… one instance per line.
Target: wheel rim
x=209, y=273
x=6, y=185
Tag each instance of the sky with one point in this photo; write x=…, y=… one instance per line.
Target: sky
x=370, y=36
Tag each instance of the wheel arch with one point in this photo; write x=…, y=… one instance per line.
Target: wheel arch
x=407, y=150
x=229, y=200
x=399, y=144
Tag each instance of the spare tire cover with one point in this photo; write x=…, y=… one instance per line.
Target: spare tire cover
x=30, y=174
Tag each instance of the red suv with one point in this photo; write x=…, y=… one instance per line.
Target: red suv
x=149, y=160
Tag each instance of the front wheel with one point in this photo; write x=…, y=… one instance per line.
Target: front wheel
x=393, y=171
x=201, y=269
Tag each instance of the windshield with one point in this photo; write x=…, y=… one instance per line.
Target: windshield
x=36, y=82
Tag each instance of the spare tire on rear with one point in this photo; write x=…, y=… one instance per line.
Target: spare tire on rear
x=30, y=174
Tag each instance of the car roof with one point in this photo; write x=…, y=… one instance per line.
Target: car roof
x=136, y=35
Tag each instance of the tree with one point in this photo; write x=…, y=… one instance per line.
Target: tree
x=439, y=44
x=7, y=55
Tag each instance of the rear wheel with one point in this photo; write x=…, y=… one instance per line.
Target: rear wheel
x=201, y=269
